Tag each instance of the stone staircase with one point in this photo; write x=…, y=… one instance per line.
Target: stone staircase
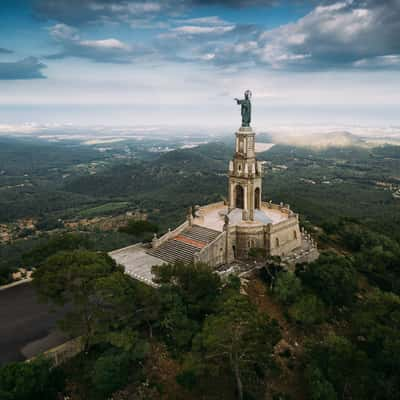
x=200, y=233
x=185, y=245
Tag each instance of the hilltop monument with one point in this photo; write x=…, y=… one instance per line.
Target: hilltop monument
x=246, y=108
x=224, y=232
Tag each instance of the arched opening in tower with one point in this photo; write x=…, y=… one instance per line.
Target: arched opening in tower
x=239, y=196
x=257, y=199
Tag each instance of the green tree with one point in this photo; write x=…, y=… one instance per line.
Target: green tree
x=287, y=288
x=308, y=310
x=240, y=337
x=380, y=264
x=187, y=294
x=319, y=387
x=56, y=243
x=111, y=371
x=333, y=278
x=376, y=325
x=336, y=363
x=196, y=284
x=30, y=381
x=70, y=278
x=134, y=227
x=119, y=312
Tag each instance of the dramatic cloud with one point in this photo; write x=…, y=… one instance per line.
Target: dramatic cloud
x=28, y=68
x=75, y=12
x=341, y=33
x=349, y=33
x=336, y=34
x=200, y=39
x=106, y=50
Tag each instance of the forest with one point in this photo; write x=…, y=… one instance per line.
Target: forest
x=328, y=331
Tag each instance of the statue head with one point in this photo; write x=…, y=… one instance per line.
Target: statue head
x=247, y=94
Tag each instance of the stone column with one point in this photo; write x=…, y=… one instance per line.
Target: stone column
x=251, y=201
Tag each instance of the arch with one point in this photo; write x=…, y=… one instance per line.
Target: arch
x=276, y=242
x=257, y=197
x=239, y=196
x=251, y=244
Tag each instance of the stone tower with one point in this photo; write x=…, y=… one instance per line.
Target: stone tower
x=245, y=175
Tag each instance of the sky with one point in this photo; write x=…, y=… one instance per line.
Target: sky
x=182, y=62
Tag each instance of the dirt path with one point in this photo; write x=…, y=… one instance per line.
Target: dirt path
x=290, y=379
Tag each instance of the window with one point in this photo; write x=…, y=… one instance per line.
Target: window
x=239, y=196
x=294, y=235
x=276, y=242
x=257, y=199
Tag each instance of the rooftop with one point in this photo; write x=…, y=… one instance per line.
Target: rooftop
x=137, y=262
x=212, y=216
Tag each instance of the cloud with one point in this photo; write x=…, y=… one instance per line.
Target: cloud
x=28, y=68
x=76, y=12
x=387, y=62
x=334, y=34
x=202, y=30
x=237, y=3
x=345, y=33
x=5, y=51
x=205, y=39
x=212, y=20
x=108, y=50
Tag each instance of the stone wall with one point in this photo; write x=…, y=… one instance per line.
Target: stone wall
x=284, y=237
x=243, y=238
x=60, y=354
x=278, y=240
x=214, y=253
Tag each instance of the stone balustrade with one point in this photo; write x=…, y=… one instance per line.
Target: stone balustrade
x=156, y=242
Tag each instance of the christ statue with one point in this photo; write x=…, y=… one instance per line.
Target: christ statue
x=245, y=108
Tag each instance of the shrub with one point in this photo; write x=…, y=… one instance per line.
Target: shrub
x=138, y=227
x=308, y=310
x=110, y=373
x=30, y=380
x=287, y=288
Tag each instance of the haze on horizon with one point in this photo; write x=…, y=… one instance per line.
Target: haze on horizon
x=181, y=62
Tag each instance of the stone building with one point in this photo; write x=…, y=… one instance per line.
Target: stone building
x=220, y=233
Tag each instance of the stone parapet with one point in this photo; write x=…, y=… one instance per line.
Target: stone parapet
x=124, y=249
x=156, y=242
x=284, y=208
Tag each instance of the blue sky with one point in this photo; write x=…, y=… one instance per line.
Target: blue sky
x=181, y=62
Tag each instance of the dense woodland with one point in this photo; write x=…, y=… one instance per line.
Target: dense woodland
x=329, y=331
